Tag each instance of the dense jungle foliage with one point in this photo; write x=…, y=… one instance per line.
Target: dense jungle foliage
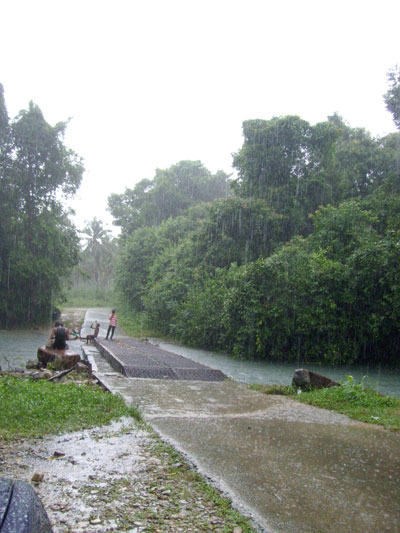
x=38, y=243
x=300, y=260
x=296, y=256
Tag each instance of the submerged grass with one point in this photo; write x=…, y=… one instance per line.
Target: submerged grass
x=35, y=408
x=357, y=400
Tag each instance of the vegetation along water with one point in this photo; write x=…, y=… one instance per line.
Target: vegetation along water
x=295, y=258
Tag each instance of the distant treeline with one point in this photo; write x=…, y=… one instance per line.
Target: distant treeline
x=298, y=258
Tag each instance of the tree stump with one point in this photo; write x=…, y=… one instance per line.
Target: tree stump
x=62, y=359
x=306, y=379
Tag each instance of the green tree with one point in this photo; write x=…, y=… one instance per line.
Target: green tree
x=41, y=245
x=291, y=165
x=331, y=297
x=273, y=158
x=42, y=165
x=297, y=167
x=136, y=256
x=169, y=194
x=301, y=263
x=238, y=230
x=390, y=180
x=145, y=256
x=392, y=96
x=199, y=317
x=7, y=208
x=98, y=253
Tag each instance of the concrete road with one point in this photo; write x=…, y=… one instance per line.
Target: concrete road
x=100, y=314
x=291, y=467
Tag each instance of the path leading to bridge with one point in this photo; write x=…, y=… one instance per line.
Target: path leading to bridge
x=292, y=467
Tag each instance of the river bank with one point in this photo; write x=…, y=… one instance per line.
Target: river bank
x=118, y=477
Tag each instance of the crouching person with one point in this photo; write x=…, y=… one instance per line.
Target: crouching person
x=91, y=338
x=60, y=336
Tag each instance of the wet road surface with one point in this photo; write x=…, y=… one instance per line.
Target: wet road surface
x=292, y=467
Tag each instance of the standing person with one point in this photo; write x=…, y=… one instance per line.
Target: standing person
x=60, y=336
x=112, y=325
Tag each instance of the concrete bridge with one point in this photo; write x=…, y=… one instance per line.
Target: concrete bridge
x=289, y=466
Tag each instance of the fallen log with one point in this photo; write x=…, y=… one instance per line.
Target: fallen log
x=62, y=374
x=79, y=367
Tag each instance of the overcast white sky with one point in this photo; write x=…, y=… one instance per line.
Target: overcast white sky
x=149, y=83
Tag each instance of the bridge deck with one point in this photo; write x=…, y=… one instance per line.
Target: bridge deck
x=135, y=358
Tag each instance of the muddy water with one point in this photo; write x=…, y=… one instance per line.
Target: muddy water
x=17, y=347
x=386, y=380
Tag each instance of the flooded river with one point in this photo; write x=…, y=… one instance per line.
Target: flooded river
x=17, y=347
x=386, y=380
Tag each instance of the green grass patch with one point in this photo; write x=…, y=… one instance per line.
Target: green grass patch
x=134, y=324
x=89, y=297
x=357, y=400
x=284, y=390
x=35, y=408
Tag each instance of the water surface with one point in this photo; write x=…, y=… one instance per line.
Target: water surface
x=384, y=379
x=18, y=347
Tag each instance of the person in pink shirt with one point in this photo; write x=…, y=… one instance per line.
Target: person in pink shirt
x=112, y=325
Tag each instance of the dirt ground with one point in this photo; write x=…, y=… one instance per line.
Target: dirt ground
x=112, y=478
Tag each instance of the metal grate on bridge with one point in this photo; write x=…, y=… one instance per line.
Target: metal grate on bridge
x=196, y=374
x=141, y=359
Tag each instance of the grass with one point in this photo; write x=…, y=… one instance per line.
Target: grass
x=35, y=408
x=134, y=324
x=285, y=390
x=357, y=400
x=89, y=297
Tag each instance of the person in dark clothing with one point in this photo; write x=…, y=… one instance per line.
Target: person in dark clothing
x=60, y=336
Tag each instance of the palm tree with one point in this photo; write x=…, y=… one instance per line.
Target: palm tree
x=98, y=251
